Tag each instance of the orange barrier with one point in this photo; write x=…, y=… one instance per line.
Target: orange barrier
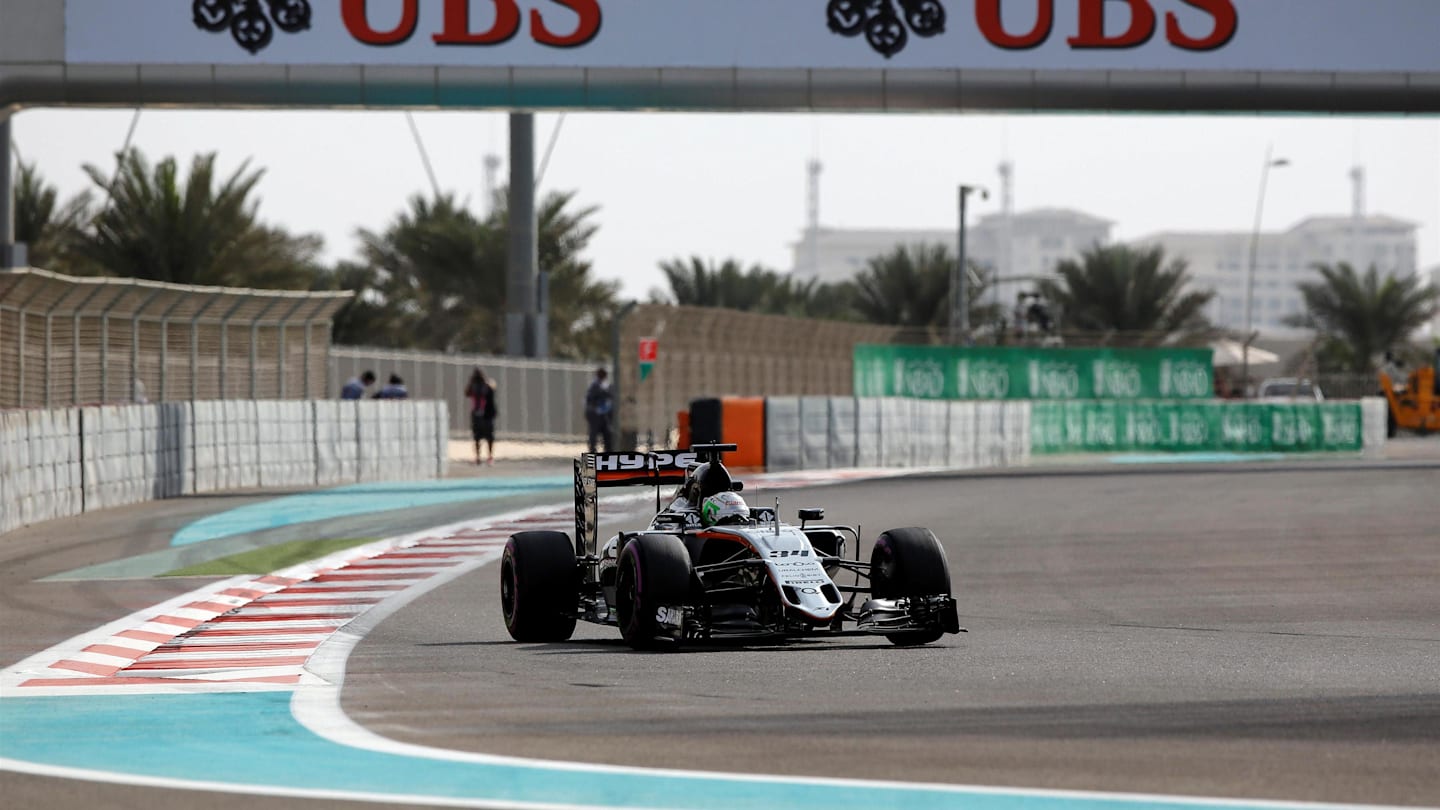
x=730, y=420
x=742, y=422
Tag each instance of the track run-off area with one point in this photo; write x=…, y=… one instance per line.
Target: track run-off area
x=1140, y=635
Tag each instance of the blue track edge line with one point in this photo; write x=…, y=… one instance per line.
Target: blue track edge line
x=358, y=499
x=252, y=739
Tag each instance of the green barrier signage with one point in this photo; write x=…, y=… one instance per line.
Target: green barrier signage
x=947, y=372
x=1108, y=427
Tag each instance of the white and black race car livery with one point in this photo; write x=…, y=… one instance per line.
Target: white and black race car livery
x=708, y=567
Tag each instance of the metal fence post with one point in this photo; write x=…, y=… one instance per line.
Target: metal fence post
x=280, y=352
x=24, y=312
x=225, y=343
x=165, y=346
x=105, y=345
x=309, y=326
x=20, y=351
x=195, y=348
x=54, y=310
x=75, y=315
x=135, y=343
x=49, y=342
x=254, y=347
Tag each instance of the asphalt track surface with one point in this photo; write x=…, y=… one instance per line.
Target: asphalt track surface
x=1270, y=631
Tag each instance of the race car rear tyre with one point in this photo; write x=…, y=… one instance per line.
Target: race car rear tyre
x=539, y=586
x=653, y=576
x=909, y=562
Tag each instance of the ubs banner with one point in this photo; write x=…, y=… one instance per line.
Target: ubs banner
x=946, y=372
x=1368, y=36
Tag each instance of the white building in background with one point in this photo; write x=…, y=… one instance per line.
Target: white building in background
x=1037, y=240
x=1024, y=247
x=1219, y=261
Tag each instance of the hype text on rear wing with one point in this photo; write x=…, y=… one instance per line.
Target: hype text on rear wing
x=596, y=470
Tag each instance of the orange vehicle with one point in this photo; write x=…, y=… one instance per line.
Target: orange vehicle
x=1415, y=405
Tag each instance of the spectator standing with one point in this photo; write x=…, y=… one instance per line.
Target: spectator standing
x=354, y=388
x=395, y=389
x=599, y=407
x=481, y=393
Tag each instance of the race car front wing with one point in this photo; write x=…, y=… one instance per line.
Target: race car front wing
x=883, y=616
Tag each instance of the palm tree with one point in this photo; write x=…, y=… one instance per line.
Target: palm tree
x=1358, y=317
x=369, y=319
x=911, y=287
x=834, y=301
x=49, y=228
x=1130, y=295
x=430, y=280
x=699, y=283
x=155, y=224
x=436, y=279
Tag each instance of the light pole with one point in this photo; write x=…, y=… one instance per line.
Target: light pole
x=8, y=254
x=959, y=279
x=1271, y=162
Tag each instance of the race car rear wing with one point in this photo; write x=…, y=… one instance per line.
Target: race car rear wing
x=656, y=468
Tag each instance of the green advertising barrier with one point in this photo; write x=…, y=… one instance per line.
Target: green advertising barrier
x=950, y=372
x=1177, y=427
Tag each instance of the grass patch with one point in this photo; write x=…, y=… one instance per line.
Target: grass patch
x=270, y=558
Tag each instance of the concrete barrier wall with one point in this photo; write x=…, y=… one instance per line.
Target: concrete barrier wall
x=1206, y=427
x=1375, y=416
x=835, y=432
x=39, y=466
x=337, y=442
x=62, y=462
x=811, y=433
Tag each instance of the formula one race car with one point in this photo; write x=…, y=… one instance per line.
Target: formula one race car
x=710, y=567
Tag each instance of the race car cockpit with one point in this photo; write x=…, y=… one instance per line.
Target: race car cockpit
x=710, y=478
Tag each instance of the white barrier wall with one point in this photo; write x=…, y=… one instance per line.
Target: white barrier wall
x=962, y=441
x=1017, y=433
x=867, y=433
x=1374, y=421
x=815, y=433
x=39, y=466
x=397, y=440
x=13, y=441
x=834, y=432
x=62, y=462
x=131, y=454
x=286, y=447
x=784, y=422
x=337, y=442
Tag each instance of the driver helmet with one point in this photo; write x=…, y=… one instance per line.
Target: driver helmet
x=724, y=509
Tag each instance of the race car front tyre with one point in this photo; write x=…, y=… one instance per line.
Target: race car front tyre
x=909, y=562
x=652, y=584
x=539, y=586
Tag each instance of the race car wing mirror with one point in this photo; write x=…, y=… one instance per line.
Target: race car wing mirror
x=737, y=486
x=812, y=514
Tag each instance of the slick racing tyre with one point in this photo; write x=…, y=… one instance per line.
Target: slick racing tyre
x=909, y=562
x=653, y=578
x=539, y=586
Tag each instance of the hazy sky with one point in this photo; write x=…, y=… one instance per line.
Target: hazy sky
x=674, y=185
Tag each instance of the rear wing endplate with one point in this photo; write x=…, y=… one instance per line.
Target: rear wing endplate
x=596, y=470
